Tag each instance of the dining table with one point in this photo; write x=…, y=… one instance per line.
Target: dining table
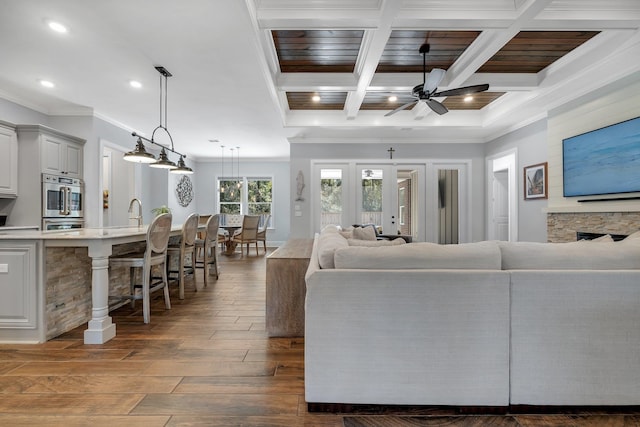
x=230, y=245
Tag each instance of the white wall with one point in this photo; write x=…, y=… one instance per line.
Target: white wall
x=607, y=106
x=207, y=175
x=531, y=145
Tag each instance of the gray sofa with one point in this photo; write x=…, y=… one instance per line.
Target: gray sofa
x=479, y=324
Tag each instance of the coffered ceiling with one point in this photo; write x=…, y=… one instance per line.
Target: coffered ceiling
x=245, y=73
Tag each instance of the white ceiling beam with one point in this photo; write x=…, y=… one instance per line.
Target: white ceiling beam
x=310, y=82
x=373, y=44
x=489, y=42
x=498, y=82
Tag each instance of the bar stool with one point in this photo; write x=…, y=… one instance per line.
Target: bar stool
x=208, y=247
x=185, y=247
x=155, y=254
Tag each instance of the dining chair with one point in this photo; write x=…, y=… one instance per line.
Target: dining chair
x=248, y=233
x=155, y=254
x=262, y=231
x=185, y=247
x=208, y=248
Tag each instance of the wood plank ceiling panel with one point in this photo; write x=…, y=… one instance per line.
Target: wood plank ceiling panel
x=328, y=100
x=480, y=100
x=319, y=51
x=401, y=53
x=533, y=51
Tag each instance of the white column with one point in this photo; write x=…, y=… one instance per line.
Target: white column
x=100, y=328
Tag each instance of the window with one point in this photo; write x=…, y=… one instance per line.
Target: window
x=230, y=196
x=330, y=197
x=251, y=196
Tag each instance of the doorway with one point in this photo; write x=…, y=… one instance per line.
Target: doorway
x=502, y=197
x=389, y=196
x=117, y=178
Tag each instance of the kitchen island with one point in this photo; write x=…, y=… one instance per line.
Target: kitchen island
x=40, y=270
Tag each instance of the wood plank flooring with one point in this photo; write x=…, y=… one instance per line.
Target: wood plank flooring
x=206, y=362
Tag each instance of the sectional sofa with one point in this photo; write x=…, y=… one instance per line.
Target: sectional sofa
x=479, y=324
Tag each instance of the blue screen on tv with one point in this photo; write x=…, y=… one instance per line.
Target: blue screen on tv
x=603, y=161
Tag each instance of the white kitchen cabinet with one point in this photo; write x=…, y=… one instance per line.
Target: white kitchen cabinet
x=42, y=149
x=8, y=162
x=20, y=296
x=61, y=156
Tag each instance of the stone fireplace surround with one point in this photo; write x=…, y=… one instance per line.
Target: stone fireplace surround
x=563, y=226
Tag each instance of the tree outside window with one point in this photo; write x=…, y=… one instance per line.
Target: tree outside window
x=230, y=196
x=257, y=200
x=259, y=196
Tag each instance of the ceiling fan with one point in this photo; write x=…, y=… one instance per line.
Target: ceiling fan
x=427, y=90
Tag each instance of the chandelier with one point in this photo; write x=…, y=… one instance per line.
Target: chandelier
x=141, y=155
x=225, y=185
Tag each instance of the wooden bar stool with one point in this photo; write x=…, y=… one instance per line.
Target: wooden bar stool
x=208, y=247
x=185, y=247
x=155, y=254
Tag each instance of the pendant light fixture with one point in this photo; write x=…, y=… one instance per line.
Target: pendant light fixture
x=140, y=155
x=239, y=183
x=232, y=175
x=222, y=178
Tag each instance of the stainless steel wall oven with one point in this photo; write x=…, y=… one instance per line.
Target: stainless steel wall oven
x=62, y=198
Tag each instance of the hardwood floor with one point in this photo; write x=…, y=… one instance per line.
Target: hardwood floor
x=205, y=362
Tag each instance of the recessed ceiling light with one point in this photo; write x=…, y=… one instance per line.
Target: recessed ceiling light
x=136, y=84
x=57, y=27
x=468, y=98
x=315, y=98
x=393, y=98
x=47, y=83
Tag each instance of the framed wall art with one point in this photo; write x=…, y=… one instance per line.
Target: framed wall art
x=535, y=181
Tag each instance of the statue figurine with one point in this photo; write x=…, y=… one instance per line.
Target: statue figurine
x=300, y=186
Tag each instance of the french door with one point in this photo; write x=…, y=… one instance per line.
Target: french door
x=389, y=196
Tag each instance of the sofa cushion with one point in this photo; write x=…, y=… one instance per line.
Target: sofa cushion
x=328, y=242
x=373, y=243
x=481, y=256
x=633, y=237
x=570, y=256
x=364, y=233
x=601, y=239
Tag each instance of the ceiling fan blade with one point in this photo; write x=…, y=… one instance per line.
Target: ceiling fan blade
x=435, y=77
x=436, y=106
x=400, y=108
x=462, y=90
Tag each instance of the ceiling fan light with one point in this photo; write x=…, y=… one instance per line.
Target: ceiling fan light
x=315, y=98
x=163, y=161
x=393, y=98
x=468, y=98
x=139, y=154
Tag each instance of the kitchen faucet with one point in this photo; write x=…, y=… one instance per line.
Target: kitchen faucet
x=139, y=217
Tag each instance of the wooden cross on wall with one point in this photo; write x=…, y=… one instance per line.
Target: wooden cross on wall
x=391, y=151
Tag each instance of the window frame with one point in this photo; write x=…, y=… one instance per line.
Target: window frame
x=244, y=193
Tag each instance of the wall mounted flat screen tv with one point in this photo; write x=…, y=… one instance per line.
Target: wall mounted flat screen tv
x=603, y=161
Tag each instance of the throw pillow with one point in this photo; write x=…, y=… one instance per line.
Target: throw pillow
x=347, y=233
x=364, y=233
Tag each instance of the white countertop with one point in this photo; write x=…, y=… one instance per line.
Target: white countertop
x=19, y=227
x=77, y=234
